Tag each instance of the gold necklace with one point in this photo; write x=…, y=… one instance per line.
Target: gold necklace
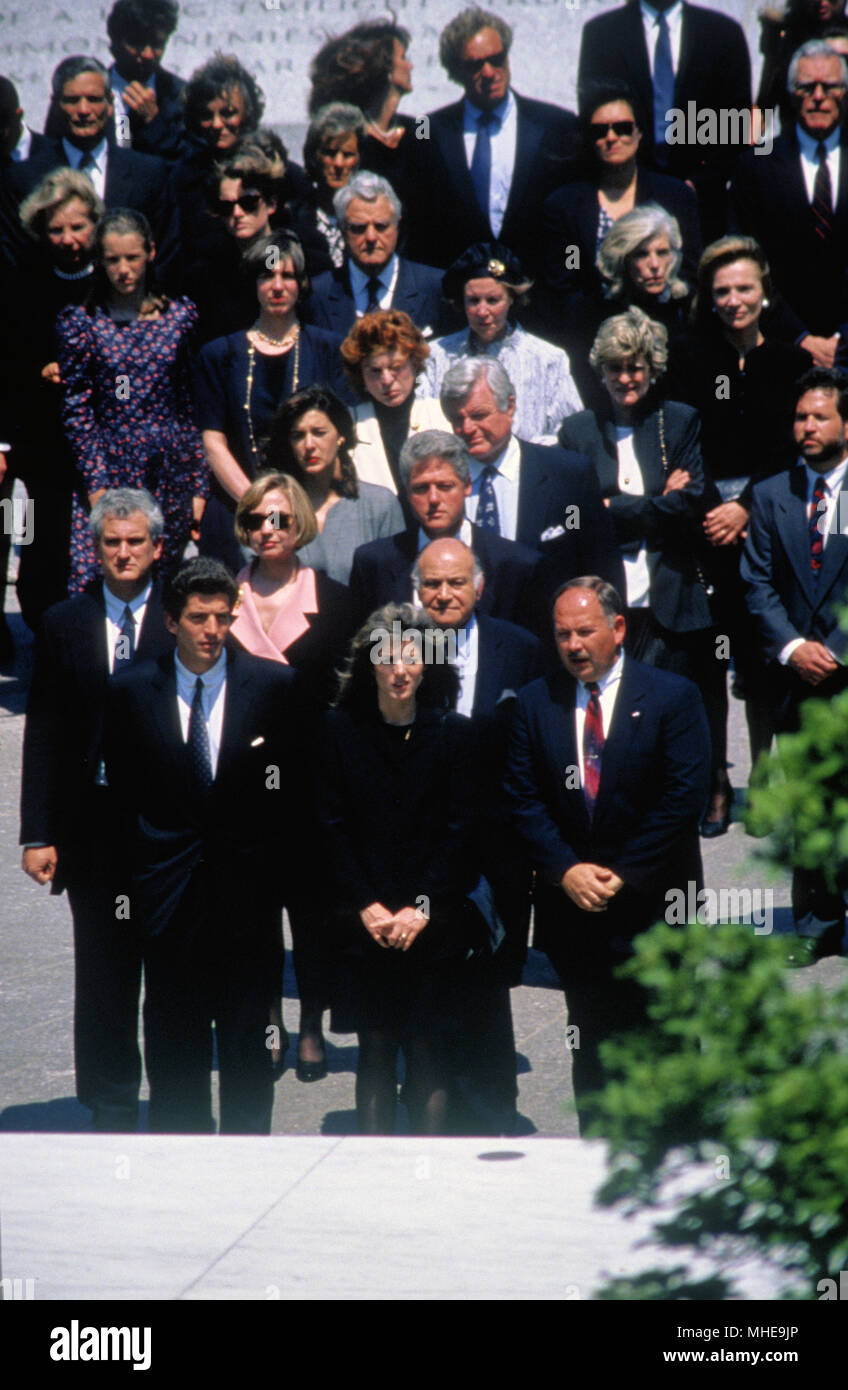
x=251, y=360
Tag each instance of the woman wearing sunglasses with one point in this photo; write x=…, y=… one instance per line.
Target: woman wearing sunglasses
x=578, y=216
x=290, y=613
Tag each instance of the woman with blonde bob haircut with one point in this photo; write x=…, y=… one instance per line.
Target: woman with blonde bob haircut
x=641, y=255
x=383, y=355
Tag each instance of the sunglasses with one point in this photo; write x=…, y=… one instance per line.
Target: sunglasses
x=248, y=202
x=474, y=65
x=808, y=89
x=281, y=521
x=599, y=128
x=360, y=228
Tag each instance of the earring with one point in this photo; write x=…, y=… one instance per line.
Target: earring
x=765, y=303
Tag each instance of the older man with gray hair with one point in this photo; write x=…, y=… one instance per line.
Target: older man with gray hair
x=373, y=275
x=543, y=496
x=435, y=474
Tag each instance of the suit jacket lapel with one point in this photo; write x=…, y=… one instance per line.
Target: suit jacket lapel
x=237, y=709
x=794, y=531
x=688, y=55
x=489, y=665
x=563, y=734
x=629, y=707
x=529, y=136
x=834, y=555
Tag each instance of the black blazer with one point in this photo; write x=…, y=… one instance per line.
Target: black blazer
x=570, y=218
x=63, y=730
x=133, y=180
x=508, y=658
x=440, y=179
x=163, y=135
x=768, y=201
x=784, y=599
x=714, y=71
x=669, y=525
x=653, y=789
x=239, y=828
x=418, y=292
x=382, y=573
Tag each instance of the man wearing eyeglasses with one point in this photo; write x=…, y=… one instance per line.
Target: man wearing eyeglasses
x=373, y=275
x=795, y=202
x=491, y=158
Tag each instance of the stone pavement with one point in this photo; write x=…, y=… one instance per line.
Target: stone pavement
x=36, y=1060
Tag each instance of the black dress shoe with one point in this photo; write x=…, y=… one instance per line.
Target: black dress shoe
x=710, y=829
x=311, y=1071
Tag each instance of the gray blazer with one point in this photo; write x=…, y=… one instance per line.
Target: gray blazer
x=375, y=513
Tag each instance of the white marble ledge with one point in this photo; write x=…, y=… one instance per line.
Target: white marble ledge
x=97, y=1216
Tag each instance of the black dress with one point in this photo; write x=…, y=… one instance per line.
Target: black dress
x=399, y=814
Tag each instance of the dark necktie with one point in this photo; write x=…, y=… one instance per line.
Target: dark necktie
x=375, y=289
x=198, y=740
x=817, y=526
x=481, y=160
x=125, y=645
x=487, y=502
x=663, y=86
x=86, y=164
x=822, y=196
x=593, y=747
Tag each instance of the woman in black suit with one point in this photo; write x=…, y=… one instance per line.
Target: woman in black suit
x=578, y=216
x=647, y=453
x=397, y=801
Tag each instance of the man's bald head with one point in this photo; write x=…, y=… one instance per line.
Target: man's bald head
x=449, y=581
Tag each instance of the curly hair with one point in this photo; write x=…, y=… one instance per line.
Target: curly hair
x=387, y=330
x=631, y=335
x=357, y=688
x=278, y=454
x=356, y=66
x=461, y=29
x=249, y=163
x=221, y=74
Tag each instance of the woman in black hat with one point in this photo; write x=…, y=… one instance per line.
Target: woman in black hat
x=489, y=284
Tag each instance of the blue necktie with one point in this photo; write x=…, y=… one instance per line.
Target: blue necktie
x=663, y=87
x=199, y=754
x=481, y=160
x=125, y=645
x=487, y=502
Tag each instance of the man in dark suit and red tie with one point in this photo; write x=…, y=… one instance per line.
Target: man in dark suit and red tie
x=491, y=158
x=608, y=776
x=795, y=566
x=200, y=749
x=69, y=832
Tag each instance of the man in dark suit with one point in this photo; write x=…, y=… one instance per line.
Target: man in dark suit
x=195, y=746
x=608, y=775
x=148, y=99
x=794, y=202
x=546, y=497
x=373, y=275
x=673, y=54
x=122, y=178
x=489, y=160
x=68, y=824
x=494, y=659
x=795, y=566
x=435, y=470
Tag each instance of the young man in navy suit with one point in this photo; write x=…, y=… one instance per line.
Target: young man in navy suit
x=148, y=98
x=374, y=276
x=608, y=776
x=69, y=830
x=489, y=160
x=201, y=752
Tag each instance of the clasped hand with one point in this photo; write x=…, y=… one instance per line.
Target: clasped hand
x=393, y=930
x=591, y=886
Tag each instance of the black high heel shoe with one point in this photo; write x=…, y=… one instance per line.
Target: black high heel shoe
x=711, y=829
x=311, y=1071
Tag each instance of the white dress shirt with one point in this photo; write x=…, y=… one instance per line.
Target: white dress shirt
x=359, y=285
x=467, y=654
x=507, y=472
x=810, y=165
x=214, y=693
x=115, y=618
x=96, y=171
x=607, y=694
x=503, y=138
x=463, y=534
x=24, y=146
x=637, y=575
x=829, y=520
x=674, y=19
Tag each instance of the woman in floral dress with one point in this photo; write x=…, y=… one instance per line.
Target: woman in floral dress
x=127, y=409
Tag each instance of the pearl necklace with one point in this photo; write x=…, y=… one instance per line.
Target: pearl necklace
x=294, y=340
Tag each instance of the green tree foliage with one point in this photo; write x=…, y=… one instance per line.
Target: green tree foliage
x=747, y=1078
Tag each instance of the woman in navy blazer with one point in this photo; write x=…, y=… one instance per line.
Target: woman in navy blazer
x=397, y=799
x=647, y=453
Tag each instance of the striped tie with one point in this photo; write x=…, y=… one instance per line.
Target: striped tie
x=817, y=516
x=822, y=196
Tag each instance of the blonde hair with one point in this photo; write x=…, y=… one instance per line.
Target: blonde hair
x=304, y=516
x=627, y=236
x=58, y=188
x=631, y=335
